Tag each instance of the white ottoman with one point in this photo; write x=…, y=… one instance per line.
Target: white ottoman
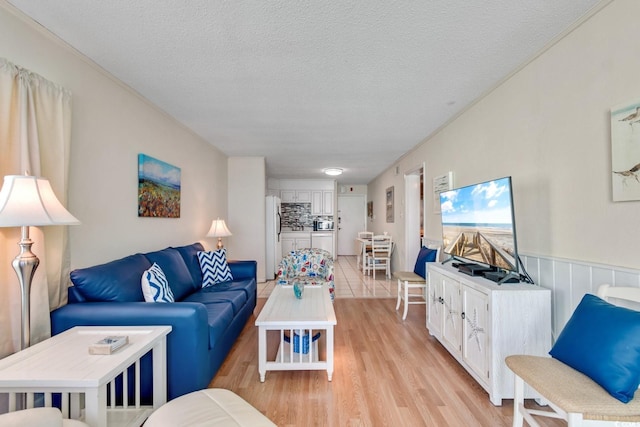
x=208, y=407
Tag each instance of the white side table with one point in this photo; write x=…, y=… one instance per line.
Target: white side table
x=62, y=364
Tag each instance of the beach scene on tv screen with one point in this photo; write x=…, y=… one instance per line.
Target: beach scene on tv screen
x=477, y=223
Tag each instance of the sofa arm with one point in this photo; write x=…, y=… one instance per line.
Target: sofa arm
x=187, y=344
x=243, y=269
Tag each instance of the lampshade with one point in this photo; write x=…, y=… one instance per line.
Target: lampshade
x=218, y=229
x=29, y=201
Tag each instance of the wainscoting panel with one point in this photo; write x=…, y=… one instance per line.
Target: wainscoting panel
x=569, y=280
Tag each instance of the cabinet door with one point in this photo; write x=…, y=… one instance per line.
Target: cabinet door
x=302, y=243
x=475, y=331
x=316, y=203
x=303, y=196
x=452, y=316
x=288, y=196
x=327, y=203
x=288, y=245
x=435, y=305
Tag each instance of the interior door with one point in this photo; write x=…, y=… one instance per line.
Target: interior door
x=351, y=219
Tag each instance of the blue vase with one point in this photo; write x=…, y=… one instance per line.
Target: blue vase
x=298, y=289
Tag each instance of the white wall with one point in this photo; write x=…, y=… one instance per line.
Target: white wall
x=247, y=217
x=548, y=126
x=111, y=124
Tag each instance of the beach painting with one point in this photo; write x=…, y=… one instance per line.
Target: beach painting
x=625, y=151
x=158, y=188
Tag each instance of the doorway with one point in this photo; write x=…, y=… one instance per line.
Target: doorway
x=352, y=217
x=414, y=215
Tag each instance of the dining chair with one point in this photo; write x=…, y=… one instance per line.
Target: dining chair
x=380, y=257
x=364, y=238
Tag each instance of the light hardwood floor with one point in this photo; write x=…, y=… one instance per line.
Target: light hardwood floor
x=387, y=373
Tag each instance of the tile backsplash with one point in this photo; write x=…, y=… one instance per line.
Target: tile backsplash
x=292, y=213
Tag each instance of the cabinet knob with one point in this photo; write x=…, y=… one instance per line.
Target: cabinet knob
x=463, y=315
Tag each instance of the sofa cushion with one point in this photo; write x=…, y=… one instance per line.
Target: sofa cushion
x=602, y=341
x=174, y=267
x=248, y=286
x=155, y=287
x=425, y=255
x=220, y=316
x=189, y=254
x=236, y=297
x=117, y=280
x=214, y=267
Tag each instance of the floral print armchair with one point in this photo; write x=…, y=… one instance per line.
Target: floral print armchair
x=309, y=266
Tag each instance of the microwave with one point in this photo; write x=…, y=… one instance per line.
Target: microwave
x=323, y=225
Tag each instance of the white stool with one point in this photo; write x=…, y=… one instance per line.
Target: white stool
x=209, y=407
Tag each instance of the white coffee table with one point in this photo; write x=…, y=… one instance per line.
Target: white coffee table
x=62, y=364
x=284, y=313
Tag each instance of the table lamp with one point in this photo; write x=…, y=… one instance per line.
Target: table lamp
x=219, y=229
x=29, y=201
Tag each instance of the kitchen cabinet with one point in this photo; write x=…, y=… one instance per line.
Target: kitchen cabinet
x=480, y=323
x=292, y=241
x=322, y=202
x=295, y=196
x=323, y=240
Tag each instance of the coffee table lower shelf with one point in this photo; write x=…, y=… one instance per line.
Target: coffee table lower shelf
x=288, y=360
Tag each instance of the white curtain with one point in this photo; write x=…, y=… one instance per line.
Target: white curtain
x=35, y=136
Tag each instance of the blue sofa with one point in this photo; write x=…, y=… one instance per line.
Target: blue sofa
x=205, y=321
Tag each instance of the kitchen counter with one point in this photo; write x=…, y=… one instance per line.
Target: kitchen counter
x=305, y=231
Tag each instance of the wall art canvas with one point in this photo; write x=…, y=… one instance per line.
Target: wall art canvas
x=158, y=188
x=389, y=204
x=441, y=183
x=370, y=209
x=625, y=151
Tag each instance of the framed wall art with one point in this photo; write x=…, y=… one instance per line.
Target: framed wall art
x=370, y=209
x=625, y=151
x=158, y=188
x=389, y=204
x=441, y=183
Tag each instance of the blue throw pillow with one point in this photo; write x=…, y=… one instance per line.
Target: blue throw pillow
x=214, y=267
x=425, y=255
x=602, y=341
x=155, y=286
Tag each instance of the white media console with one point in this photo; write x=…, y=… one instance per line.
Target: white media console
x=480, y=323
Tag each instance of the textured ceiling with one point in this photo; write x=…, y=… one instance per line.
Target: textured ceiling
x=310, y=84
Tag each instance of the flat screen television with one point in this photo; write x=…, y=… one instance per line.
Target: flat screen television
x=478, y=225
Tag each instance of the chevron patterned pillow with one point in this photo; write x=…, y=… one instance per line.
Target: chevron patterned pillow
x=214, y=267
x=155, y=286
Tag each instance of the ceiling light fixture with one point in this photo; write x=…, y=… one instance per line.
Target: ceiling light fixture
x=332, y=171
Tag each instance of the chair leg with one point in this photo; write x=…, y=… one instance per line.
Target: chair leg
x=406, y=300
x=518, y=399
x=399, y=294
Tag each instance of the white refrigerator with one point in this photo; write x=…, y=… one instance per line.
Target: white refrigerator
x=274, y=227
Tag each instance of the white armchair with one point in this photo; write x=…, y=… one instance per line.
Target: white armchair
x=38, y=417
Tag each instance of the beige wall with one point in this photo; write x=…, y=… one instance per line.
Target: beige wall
x=548, y=127
x=247, y=206
x=111, y=125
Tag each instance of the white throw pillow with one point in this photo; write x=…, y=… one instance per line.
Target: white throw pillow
x=155, y=286
x=214, y=267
